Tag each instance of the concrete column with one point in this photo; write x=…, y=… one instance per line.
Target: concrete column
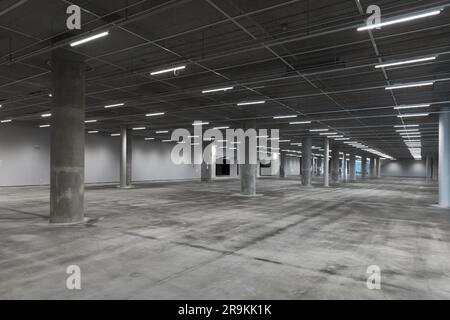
x=444, y=157
x=67, y=137
x=283, y=164
x=435, y=168
x=378, y=167
x=208, y=164
x=372, y=169
x=344, y=168
x=363, y=166
x=352, y=167
x=326, y=162
x=307, y=161
x=126, y=158
x=428, y=163
x=335, y=163
x=247, y=170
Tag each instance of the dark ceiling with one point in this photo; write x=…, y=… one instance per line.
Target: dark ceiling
x=304, y=58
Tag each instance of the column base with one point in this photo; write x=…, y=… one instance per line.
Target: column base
x=438, y=206
x=126, y=187
x=63, y=224
x=248, y=195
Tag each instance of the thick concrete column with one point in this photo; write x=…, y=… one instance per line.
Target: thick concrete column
x=247, y=170
x=444, y=157
x=363, y=166
x=378, y=167
x=326, y=162
x=125, y=158
x=335, y=163
x=207, y=167
x=428, y=162
x=307, y=161
x=67, y=137
x=283, y=164
x=352, y=167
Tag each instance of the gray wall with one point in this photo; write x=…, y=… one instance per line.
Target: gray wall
x=25, y=158
x=403, y=168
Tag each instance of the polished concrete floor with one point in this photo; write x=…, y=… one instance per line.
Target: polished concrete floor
x=191, y=240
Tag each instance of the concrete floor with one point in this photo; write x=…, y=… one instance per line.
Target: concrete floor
x=189, y=240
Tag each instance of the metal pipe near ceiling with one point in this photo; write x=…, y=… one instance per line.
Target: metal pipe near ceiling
x=11, y=8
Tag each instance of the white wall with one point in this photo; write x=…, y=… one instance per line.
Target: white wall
x=151, y=161
x=403, y=168
x=25, y=158
x=292, y=166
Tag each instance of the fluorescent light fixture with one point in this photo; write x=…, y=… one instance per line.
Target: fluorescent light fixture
x=410, y=85
x=167, y=140
x=160, y=132
x=400, y=20
x=217, y=90
x=342, y=139
x=44, y=126
x=90, y=121
x=221, y=128
x=139, y=128
x=414, y=137
x=328, y=133
x=262, y=137
x=46, y=115
x=286, y=117
x=414, y=106
x=408, y=133
x=94, y=131
x=168, y=70
x=408, y=130
x=155, y=114
x=200, y=123
x=149, y=139
x=115, y=135
x=114, y=105
x=400, y=63
x=407, y=126
x=413, y=115
x=284, y=141
x=88, y=39
x=300, y=122
x=5, y=121
x=340, y=136
x=250, y=103
x=50, y=95
x=318, y=130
